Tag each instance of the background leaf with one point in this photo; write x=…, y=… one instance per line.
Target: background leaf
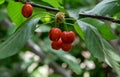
x=17, y=40
x=106, y=7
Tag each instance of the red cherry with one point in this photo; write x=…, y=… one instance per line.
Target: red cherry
x=54, y=34
x=66, y=47
x=27, y=10
x=56, y=44
x=68, y=37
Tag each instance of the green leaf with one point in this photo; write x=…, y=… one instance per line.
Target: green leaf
x=17, y=40
x=99, y=47
x=54, y=3
x=14, y=11
x=2, y=15
x=79, y=31
x=11, y=29
x=106, y=7
x=105, y=31
x=90, y=39
x=2, y=1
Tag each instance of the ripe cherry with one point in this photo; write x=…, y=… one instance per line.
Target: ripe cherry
x=66, y=47
x=27, y=10
x=56, y=44
x=68, y=37
x=54, y=34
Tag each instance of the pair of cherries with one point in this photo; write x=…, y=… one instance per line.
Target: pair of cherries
x=61, y=39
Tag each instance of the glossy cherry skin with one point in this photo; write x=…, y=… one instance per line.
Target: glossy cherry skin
x=27, y=10
x=54, y=34
x=56, y=44
x=67, y=37
x=66, y=47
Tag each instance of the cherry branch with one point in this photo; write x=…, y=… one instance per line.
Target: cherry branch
x=101, y=18
x=40, y=6
x=81, y=15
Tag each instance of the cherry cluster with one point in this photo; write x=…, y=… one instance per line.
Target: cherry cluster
x=61, y=39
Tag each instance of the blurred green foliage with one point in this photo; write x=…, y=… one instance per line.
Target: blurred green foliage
x=80, y=62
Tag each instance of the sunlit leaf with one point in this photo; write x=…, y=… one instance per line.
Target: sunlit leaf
x=2, y=1
x=54, y=3
x=14, y=11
